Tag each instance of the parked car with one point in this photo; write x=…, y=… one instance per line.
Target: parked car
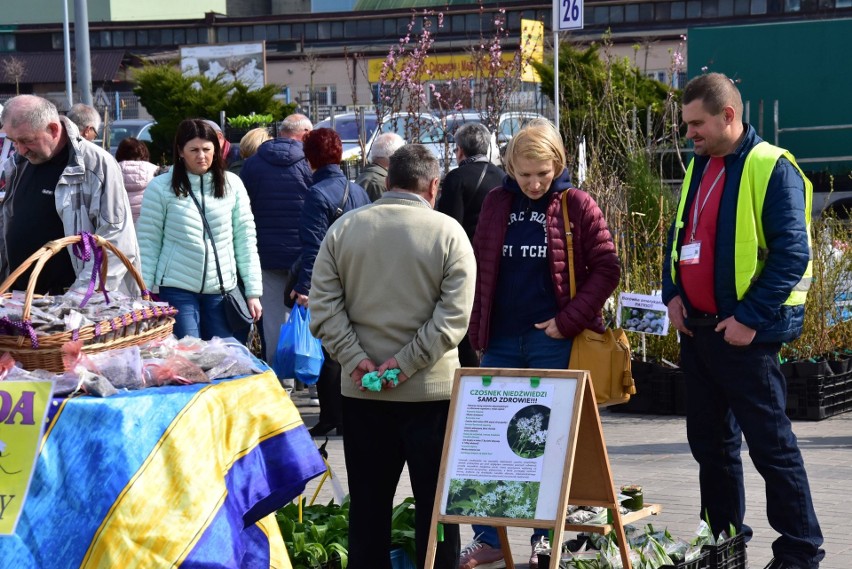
x=421, y=128
x=120, y=129
x=511, y=122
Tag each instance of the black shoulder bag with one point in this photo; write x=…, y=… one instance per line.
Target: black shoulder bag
x=236, y=310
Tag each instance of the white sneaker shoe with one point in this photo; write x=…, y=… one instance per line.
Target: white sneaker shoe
x=540, y=546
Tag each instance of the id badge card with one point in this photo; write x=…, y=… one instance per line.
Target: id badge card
x=690, y=254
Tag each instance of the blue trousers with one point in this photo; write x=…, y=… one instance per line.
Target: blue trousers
x=740, y=391
x=531, y=350
x=199, y=315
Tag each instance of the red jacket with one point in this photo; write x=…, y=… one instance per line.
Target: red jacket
x=596, y=266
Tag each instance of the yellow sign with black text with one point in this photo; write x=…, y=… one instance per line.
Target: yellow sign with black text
x=23, y=408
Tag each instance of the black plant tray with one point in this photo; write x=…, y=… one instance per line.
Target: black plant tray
x=819, y=397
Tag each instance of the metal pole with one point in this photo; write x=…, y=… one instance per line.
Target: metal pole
x=81, y=44
x=556, y=78
x=775, y=119
x=69, y=90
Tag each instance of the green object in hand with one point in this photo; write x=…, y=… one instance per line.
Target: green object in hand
x=373, y=381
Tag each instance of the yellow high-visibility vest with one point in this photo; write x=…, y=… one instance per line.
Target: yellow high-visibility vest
x=750, y=249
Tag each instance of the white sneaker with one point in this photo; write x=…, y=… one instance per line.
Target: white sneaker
x=541, y=546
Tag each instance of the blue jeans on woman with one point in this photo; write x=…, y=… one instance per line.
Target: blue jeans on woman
x=531, y=350
x=199, y=315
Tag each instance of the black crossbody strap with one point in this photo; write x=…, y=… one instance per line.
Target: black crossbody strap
x=339, y=211
x=212, y=241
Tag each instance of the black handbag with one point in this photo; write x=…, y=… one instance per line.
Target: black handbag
x=236, y=309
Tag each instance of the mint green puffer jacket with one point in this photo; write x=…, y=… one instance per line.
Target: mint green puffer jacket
x=174, y=248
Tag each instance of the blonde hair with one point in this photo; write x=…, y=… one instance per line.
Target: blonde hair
x=252, y=140
x=538, y=140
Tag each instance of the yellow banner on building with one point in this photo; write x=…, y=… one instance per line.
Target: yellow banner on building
x=23, y=407
x=448, y=67
x=532, y=48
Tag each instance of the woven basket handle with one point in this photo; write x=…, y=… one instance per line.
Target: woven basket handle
x=50, y=249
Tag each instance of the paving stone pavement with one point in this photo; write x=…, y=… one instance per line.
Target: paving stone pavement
x=652, y=451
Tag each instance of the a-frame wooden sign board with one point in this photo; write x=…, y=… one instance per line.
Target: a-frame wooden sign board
x=520, y=445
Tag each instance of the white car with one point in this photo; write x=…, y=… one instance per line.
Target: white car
x=421, y=128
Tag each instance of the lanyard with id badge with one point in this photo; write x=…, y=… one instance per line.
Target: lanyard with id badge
x=690, y=252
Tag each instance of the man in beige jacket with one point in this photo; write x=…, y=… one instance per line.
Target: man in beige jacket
x=392, y=288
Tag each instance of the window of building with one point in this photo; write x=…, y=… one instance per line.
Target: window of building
x=180, y=36
x=130, y=38
x=792, y=5
x=105, y=38
x=222, y=35
x=234, y=34
x=471, y=23
x=324, y=30
x=350, y=29
x=663, y=11
x=167, y=37
x=337, y=30
x=142, y=37
x=296, y=31
x=247, y=33
x=191, y=35
x=709, y=8
x=646, y=12
x=678, y=10
x=272, y=32
x=843, y=3
x=154, y=37
x=616, y=14
x=285, y=32
x=56, y=41
x=363, y=30
x=631, y=13
x=311, y=31
x=601, y=15
x=742, y=7
x=323, y=94
x=513, y=20
x=726, y=8
x=693, y=9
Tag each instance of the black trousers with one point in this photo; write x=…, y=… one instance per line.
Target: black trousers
x=328, y=392
x=379, y=438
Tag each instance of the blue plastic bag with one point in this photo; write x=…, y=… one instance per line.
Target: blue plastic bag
x=299, y=354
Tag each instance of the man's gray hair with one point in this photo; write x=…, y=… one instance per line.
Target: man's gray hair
x=34, y=111
x=473, y=139
x=83, y=115
x=385, y=145
x=412, y=168
x=294, y=124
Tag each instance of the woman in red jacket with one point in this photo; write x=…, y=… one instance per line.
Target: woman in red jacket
x=523, y=316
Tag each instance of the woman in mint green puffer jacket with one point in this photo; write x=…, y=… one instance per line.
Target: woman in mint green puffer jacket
x=177, y=257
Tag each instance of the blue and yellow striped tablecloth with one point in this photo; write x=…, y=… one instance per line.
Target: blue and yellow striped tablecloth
x=181, y=476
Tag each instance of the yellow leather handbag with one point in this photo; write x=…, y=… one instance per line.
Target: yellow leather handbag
x=606, y=356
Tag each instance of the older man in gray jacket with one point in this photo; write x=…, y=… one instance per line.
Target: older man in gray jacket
x=392, y=289
x=59, y=184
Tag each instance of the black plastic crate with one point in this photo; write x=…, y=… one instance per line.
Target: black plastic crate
x=699, y=562
x=655, y=393
x=729, y=554
x=819, y=397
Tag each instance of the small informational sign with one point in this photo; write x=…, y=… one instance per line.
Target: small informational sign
x=23, y=408
x=567, y=15
x=643, y=313
x=505, y=461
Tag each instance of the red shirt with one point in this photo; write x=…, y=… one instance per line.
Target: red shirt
x=697, y=278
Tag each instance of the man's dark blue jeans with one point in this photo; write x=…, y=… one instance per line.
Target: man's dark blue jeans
x=740, y=391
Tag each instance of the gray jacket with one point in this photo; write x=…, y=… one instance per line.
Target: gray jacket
x=89, y=196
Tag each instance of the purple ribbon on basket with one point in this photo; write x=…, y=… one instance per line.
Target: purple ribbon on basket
x=25, y=328
x=84, y=250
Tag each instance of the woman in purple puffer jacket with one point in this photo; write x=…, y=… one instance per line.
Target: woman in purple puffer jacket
x=132, y=156
x=523, y=314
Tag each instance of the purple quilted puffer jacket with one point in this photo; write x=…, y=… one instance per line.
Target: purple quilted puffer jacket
x=596, y=266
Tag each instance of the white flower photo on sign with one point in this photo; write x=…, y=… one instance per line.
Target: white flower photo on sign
x=643, y=313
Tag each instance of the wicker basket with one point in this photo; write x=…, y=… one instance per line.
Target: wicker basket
x=45, y=351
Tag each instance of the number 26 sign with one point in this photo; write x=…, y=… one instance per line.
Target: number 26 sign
x=567, y=15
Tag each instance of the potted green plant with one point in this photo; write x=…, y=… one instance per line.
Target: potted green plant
x=321, y=539
x=404, y=549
